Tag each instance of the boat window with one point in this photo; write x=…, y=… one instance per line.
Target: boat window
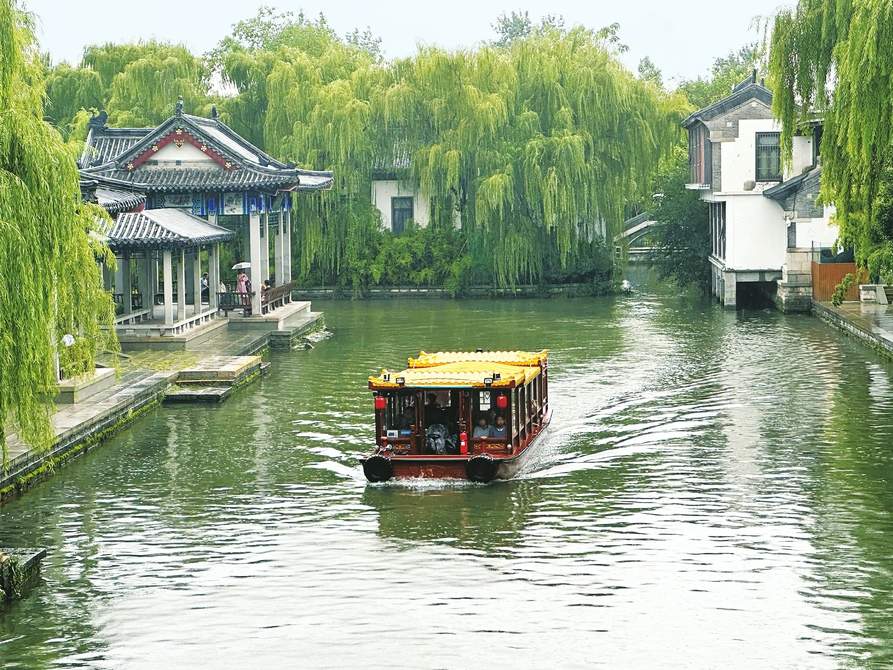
x=400, y=414
x=485, y=412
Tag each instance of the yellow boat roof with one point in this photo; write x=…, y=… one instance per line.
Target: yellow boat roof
x=468, y=374
x=522, y=358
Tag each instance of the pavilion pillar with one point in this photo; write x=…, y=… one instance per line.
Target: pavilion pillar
x=119, y=273
x=197, y=280
x=278, y=252
x=285, y=225
x=265, y=247
x=181, y=286
x=107, y=277
x=254, y=246
x=168, y=278
x=126, y=288
x=151, y=283
x=213, y=274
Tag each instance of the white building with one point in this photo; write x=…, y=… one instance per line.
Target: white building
x=763, y=214
x=398, y=197
x=399, y=203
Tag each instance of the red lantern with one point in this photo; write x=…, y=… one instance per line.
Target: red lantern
x=502, y=401
x=381, y=402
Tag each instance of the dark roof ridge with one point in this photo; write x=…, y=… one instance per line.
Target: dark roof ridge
x=781, y=190
x=741, y=94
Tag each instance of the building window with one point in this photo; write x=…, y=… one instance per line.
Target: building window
x=768, y=156
x=401, y=212
x=699, y=158
x=717, y=214
x=792, y=235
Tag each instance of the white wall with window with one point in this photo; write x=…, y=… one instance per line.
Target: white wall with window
x=398, y=203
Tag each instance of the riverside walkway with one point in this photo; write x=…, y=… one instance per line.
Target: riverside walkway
x=871, y=323
x=143, y=378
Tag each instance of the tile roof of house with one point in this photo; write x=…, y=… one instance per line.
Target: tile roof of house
x=165, y=228
x=113, y=195
x=746, y=90
x=114, y=153
x=786, y=188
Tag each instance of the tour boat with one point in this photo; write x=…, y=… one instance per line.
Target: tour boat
x=459, y=415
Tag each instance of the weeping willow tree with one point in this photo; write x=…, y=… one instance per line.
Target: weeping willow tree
x=535, y=148
x=836, y=56
x=70, y=90
x=136, y=83
x=47, y=252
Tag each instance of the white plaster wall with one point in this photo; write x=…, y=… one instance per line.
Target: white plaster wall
x=756, y=233
x=818, y=233
x=385, y=189
x=187, y=152
x=801, y=156
x=739, y=157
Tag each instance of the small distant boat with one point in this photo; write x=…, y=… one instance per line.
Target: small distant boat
x=459, y=415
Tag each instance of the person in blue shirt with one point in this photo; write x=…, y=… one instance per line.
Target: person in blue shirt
x=499, y=430
x=482, y=429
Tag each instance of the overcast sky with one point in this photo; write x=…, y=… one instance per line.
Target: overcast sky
x=681, y=36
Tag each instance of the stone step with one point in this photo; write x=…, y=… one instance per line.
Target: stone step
x=195, y=393
x=217, y=369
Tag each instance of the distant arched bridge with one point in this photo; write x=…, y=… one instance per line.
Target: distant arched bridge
x=633, y=231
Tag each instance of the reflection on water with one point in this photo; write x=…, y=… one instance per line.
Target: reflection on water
x=716, y=490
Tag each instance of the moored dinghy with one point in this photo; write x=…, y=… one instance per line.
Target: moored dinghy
x=459, y=415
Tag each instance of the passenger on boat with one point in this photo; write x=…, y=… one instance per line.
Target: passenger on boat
x=407, y=419
x=434, y=413
x=498, y=429
x=482, y=429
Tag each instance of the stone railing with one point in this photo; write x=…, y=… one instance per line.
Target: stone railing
x=176, y=328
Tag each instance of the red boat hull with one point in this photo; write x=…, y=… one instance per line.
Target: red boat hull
x=476, y=467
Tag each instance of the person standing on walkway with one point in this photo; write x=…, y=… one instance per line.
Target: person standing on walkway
x=242, y=282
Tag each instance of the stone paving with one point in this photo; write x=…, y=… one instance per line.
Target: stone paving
x=876, y=319
x=870, y=322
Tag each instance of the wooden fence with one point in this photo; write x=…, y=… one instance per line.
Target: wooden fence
x=826, y=277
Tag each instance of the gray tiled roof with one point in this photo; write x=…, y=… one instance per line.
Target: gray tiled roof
x=109, y=150
x=165, y=228
x=156, y=179
x=113, y=195
x=105, y=144
x=743, y=92
x=114, y=201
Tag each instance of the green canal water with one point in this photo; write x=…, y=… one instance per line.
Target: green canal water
x=716, y=490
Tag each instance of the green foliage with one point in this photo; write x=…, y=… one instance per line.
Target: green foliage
x=70, y=90
x=137, y=84
x=518, y=26
x=682, y=237
x=840, y=291
x=47, y=254
x=836, y=56
x=418, y=257
x=531, y=144
x=648, y=71
x=725, y=73
x=880, y=263
x=144, y=91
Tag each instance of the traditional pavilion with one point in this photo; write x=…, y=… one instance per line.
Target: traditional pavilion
x=183, y=187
